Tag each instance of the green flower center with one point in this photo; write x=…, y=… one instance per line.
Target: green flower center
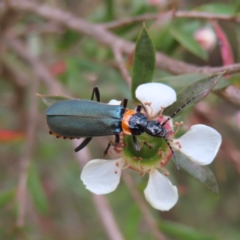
x=154, y=153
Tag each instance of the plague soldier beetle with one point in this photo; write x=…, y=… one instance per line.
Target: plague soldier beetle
x=75, y=118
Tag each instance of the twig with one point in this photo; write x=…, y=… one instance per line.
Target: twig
x=176, y=14
x=38, y=29
x=228, y=148
x=107, y=38
x=143, y=207
x=29, y=148
x=18, y=77
x=232, y=153
x=100, y=201
x=106, y=214
x=146, y=214
x=206, y=15
x=232, y=94
x=121, y=65
x=37, y=65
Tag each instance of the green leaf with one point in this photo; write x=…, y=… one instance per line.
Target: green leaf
x=131, y=226
x=182, y=232
x=222, y=83
x=159, y=33
x=109, y=5
x=36, y=190
x=181, y=81
x=50, y=100
x=69, y=38
x=187, y=41
x=237, y=7
x=199, y=90
x=6, y=197
x=144, y=61
x=201, y=173
x=219, y=8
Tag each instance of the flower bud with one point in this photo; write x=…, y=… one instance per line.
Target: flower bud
x=206, y=38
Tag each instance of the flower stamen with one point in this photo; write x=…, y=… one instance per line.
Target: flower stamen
x=149, y=105
x=162, y=163
x=178, y=145
x=161, y=112
x=126, y=166
x=142, y=174
x=166, y=173
x=178, y=125
x=165, y=160
x=160, y=152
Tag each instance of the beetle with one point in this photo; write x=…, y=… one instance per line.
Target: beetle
x=75, y=118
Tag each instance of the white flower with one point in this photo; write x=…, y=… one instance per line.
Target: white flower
x=200, y=144
x=158, y=94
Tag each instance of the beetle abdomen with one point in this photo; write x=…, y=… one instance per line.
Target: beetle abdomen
x=72, y=126
x=83, y=118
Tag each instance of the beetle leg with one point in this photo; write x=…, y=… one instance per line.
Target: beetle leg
x=135, y=143
x=124, y=103
x=117, y=140
x=106, y=150
x=145, y=143
x=83, y=144
x=139, y=107
x=96, y=93
x=108, y=146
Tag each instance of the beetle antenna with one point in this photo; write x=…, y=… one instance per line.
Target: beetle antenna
x=178, y=110
x=173, y=154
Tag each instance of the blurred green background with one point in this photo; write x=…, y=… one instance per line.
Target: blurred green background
x=57, y=205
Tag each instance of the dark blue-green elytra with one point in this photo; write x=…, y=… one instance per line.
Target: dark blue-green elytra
x=83, y=118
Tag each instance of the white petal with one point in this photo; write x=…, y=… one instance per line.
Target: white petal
x=158, y=94
x=160, y=192
x=102, y=176
x=114, y=102
x=200, y=144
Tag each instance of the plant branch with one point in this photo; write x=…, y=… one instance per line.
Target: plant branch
x=101, y=202
x=144, y=208
x=142, y=205
x=121, y=65
x=228, y=148
x=231, y=94
x=176, y=14
x=18, y=48
x=105, y=37
x=102, y=205
x=25, y=160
